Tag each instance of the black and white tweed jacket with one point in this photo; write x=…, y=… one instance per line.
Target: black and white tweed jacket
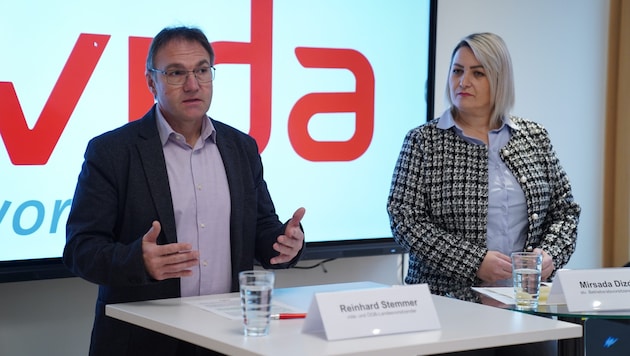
x=438, y=203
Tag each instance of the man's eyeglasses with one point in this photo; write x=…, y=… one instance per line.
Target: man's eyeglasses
x=179, y=76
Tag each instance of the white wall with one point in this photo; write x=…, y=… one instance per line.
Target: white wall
x=559, y=52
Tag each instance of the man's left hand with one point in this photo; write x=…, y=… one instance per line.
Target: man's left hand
x=290, y=244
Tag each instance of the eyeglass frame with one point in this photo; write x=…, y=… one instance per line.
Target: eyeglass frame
x=188, y=72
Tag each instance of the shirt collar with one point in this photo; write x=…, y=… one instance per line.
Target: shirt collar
x=165, y=130
x=446, y=121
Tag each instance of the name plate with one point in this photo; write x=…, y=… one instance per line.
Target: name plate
x=371, y=312
x=593, y=289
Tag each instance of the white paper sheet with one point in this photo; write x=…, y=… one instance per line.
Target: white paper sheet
x=231, y=307
x=505, y=295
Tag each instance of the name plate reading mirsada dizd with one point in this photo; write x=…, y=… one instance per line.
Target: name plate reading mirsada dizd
x=594, y=289
x=372, y=312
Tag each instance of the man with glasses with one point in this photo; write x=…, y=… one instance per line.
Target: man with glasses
x=173, y=204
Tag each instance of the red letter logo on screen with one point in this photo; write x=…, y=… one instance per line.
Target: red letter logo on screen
x=34, y=146
x=361, y=102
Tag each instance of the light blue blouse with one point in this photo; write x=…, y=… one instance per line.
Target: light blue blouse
x=507, y=208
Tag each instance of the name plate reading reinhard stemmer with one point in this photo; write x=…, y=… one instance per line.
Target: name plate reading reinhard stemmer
x=371, y=312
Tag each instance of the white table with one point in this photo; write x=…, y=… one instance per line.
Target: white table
x=464, y=326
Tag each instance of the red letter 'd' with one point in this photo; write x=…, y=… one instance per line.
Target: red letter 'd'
x=34, y=147
x=258, y=55
x=361, y=102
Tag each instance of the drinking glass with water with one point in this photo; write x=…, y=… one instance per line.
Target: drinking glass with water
x=526, y=271
x=256, y=289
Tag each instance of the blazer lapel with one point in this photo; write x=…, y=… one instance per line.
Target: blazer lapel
x=154, y=166
x=233, y=171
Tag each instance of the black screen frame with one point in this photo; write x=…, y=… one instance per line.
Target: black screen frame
x=52, y=268
x=33, y=269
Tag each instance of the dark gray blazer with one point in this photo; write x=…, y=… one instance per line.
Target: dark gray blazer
x=123, y=186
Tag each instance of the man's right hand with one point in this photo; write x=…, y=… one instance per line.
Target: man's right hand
x=167, y=261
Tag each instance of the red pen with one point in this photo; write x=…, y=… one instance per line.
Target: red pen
x=282, y=316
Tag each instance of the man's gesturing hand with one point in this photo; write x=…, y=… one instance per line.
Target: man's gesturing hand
x=166, y=261
x=291, y=242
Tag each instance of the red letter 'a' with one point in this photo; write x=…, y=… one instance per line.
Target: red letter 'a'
x=35, y=146
x=361, y=102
